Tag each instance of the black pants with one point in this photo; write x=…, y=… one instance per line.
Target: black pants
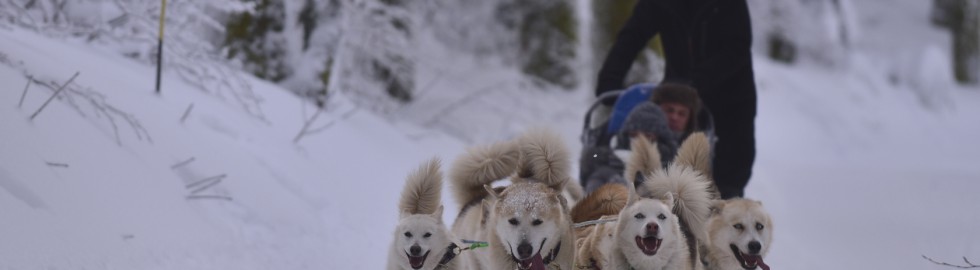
x=735, y=149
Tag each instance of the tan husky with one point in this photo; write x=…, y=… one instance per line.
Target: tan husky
x=526, y=223
x=740, y=233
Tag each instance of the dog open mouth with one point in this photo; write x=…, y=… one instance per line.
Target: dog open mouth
x=648, y=245
x=748, y=261
x=417, y=261
x=535, y=262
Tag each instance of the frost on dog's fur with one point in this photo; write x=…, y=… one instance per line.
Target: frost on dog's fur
x=543, y=158
x=527, y=223
x=423, y=189
x=481, y=166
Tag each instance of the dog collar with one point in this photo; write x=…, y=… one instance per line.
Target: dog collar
x=448, y=256
x=551, y=255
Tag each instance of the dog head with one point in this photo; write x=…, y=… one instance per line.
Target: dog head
x=529, y=219
x=421, y=240
x=645, y=225
x=741, y=228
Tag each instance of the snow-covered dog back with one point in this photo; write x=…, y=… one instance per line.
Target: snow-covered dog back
x=527, y=223
x=421, y=238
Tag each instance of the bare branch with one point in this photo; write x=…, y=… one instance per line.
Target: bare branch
x=182, y=163
x=206, y=186
x=306, y=125
x=345, y=116
x=55, y=164
x=24, y=94
x=187, y=113
x=206, y=180
x=217, y=197
x=968, y=264
x=54, y=95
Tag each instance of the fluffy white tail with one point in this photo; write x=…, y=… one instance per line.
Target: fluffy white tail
x=695, y=152
x=423, y=189
x=481, y=166
x=543, y=157
x=690, y=189
x=644, y=159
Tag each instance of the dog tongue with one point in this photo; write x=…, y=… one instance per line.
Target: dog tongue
x=416, y=261
x=534, y=263
x=650, y=243
x=755, y=260
x=762, y=264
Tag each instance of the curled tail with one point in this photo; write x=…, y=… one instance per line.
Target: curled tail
x=481, y=166
x=695, y=152
x=423, y=190
x=689, y=188
x=543, y=157
x=644, y=160
x=606, y=200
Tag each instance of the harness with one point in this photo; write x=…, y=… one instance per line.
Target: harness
x=547, y=260
x=454, y=250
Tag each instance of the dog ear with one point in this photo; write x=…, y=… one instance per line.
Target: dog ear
x=716, y=206
x=493, y=193
x=560, y=185
x=561, y=201
x=438, y=214
x=669, y=200
x=485, y=207
x=632, y=197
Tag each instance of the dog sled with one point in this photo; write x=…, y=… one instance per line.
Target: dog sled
x=598, y=134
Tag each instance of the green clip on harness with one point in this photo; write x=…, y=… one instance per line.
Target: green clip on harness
x=453, y=250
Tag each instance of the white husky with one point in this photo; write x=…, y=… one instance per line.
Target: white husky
x=421, y=239
x=527, y=223
x=663, y=221
x=740, y=233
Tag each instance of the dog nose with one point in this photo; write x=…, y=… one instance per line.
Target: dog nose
x=653, y=228
x=524, y=250
x=415, y=250
x=755, y=247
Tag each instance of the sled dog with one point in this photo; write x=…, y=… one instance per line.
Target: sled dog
x=664, y=217
x=421, y=239
x=527, y=223
x=740, y=233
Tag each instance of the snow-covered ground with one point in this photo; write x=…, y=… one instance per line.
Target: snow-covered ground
x=857, y=172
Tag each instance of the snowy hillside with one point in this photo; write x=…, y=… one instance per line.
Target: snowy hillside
x=860, y=171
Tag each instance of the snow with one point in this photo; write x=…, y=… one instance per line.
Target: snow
x=856, y=170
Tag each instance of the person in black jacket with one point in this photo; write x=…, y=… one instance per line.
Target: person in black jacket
x=707, y=44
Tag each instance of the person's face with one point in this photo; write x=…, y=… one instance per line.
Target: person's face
x=677, y=115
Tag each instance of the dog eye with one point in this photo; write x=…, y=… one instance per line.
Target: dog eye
x=426, y=235
x=640, y=216
x=758, y=226
x=514, y=222
x=536, y=222
x=739, y=227
x=408, y=234
x=662, y=217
